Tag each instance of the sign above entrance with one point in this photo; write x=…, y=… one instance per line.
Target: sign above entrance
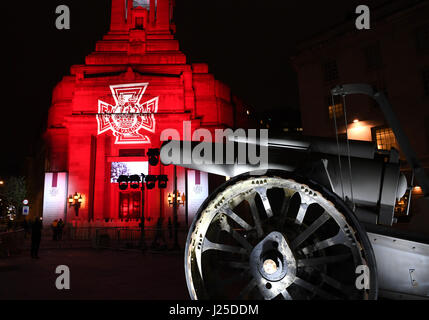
x=129, y=115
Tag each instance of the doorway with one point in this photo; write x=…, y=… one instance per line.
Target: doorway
x=130, y=205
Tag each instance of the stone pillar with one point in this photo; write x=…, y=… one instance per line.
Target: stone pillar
x=117, y=17
x=152, y=12
x=163, y=15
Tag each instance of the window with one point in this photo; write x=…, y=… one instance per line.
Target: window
x=422, y=39
x=373, y=56
x=330, y=70
x=339, y=112
x=338, y=108
x=141, y=3
x=425, y=76
x=385, y=138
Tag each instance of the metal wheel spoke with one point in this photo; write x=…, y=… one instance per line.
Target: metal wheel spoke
x=208, y=245
x=236, y=264
x=228, y=211
x=301, y=213
x=255, y=215
x=235, y=235
x=310, y=230
x=224, y=282
x=338, y=239
x=312, y=288
x=247, y=289
x=336, y=284
x=267, y=206
x=284, y=210
x=241, y=240
x=322, y=260
x=286, y=295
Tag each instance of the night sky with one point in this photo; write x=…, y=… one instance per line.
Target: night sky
x=246, y=43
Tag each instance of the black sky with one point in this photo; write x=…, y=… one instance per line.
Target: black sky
x=246, y=43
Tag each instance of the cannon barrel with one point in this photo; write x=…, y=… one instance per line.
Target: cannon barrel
x=370, y=183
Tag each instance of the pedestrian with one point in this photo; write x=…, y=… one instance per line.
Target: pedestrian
x=60, y=227
x=54, y=227
x=159, y=235
x=36, y=236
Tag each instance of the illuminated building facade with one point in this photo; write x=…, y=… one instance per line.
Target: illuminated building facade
x=110, y=111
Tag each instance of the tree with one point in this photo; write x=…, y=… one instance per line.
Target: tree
x=15, y=191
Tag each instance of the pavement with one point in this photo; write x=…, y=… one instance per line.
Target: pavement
x=94, y=274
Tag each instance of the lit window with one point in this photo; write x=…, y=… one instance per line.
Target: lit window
x=330, y=70
x=141, y=3
x=338, y=108
x=385, y=139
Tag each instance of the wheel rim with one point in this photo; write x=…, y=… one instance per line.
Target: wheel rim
x=275, y=237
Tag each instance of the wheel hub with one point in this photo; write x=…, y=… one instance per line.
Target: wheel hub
x=270, y=266
x=272, y=263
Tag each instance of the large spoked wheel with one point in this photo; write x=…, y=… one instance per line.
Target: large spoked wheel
x=277, y=236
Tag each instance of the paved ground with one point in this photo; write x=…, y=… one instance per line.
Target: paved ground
x=94, y=274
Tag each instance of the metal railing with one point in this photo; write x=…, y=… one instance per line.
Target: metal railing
x=11, y=242
x=158, y=239
x=126, y=238
x=119, y=237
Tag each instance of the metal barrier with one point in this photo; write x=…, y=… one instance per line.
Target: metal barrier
x=11, y=242
x=97, y=237
x=125, y=238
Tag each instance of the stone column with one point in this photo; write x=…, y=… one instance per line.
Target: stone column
x=117, y=18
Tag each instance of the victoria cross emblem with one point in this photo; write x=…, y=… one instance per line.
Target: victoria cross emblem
x=129, y=115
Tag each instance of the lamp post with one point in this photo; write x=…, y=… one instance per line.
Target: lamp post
x=75, y=201
x=175, y=200
x=142, y=232
x=175, y=218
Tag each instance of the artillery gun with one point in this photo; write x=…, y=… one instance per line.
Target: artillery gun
x=314, y=222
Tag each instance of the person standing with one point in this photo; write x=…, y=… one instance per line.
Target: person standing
x=36, y=236
x=54, y=227
x=60, y=227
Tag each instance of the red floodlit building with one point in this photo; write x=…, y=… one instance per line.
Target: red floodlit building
x=136, y=68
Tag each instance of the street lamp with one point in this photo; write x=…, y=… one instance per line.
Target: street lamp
x=178, y=199
x=75, y=201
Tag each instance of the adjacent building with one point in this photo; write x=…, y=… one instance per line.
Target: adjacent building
x=392, y=56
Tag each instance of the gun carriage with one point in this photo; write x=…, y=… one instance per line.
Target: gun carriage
x=312, y=223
